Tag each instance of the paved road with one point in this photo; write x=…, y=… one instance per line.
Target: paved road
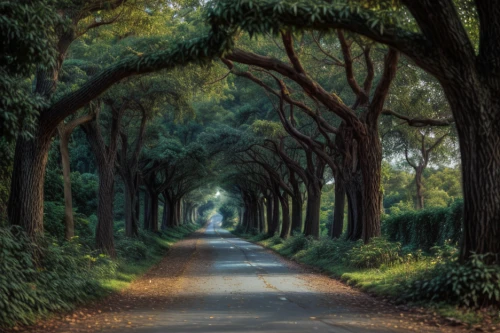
x=232, y=285
x=216, y=282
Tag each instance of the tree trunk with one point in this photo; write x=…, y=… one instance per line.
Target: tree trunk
x=154, y=202
x=297, y=204
x=26, y=193
x=166, y=213
x=338, y=212
x=261, y=215
x=479, y=139
x=355, y=210
x=147, y=211
x=285, y=215
x=269, y=213
x=137, y=206
x=129, y=208
x=296, y=214
x=313, y=208
x=275, y=224
x=419, y=204
x=65, y=131
x=178, y=211
x=371, y=168
x=104, y=232
x=69, y=225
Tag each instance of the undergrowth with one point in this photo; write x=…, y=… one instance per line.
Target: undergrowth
x=432, y=279
x=52, y=275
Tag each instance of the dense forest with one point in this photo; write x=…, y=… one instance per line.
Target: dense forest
x=353, y=135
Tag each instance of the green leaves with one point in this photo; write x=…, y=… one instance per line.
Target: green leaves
x=473, y=284
x=27, y=36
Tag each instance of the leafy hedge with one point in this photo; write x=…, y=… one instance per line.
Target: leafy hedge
x=425, y=228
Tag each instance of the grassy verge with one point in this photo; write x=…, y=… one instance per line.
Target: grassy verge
x=64, y=274
x=130, y=268
x=388, y=276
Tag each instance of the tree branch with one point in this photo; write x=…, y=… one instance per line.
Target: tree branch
x=420, y=122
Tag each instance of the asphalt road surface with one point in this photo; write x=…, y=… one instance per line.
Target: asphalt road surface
x=216, y=282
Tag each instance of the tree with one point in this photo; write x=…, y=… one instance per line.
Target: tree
x=26, y=197
x=433, y=35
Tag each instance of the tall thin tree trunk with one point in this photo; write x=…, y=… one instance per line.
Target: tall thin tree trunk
x=147, y=211
x=69, y=225
x=269, y=213
x=419, y=204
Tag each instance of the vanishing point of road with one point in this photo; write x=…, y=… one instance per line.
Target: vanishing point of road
x=213, y=281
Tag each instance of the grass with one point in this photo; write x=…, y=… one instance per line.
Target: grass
x=128, y=271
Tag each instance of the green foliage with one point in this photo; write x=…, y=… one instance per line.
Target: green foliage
x=473, y=283
x=275, y=240
x=426, y=228
x=131, y=248
x=27, y=35
x=296, y=243
x=37, y=279
x=229, y=214
x=61, y=276
x=374, y=254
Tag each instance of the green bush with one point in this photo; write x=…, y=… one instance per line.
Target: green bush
x=376, y=253
x=275, y=240
x=327, y=251
x=229, y=215
x=471, y=284
x=295, y=244
x=132, y=249
x=425, y=228
x=38, y=279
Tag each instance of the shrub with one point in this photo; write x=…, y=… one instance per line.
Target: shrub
x=425, y=228
x=295, y=244
x=471, y=284
x=333, y=250
x=61, y=276
x=376, y=253
x=229, y=215
x=276, y=239
x=131, y=249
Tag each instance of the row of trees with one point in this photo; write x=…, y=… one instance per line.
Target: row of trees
x=452, y=40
